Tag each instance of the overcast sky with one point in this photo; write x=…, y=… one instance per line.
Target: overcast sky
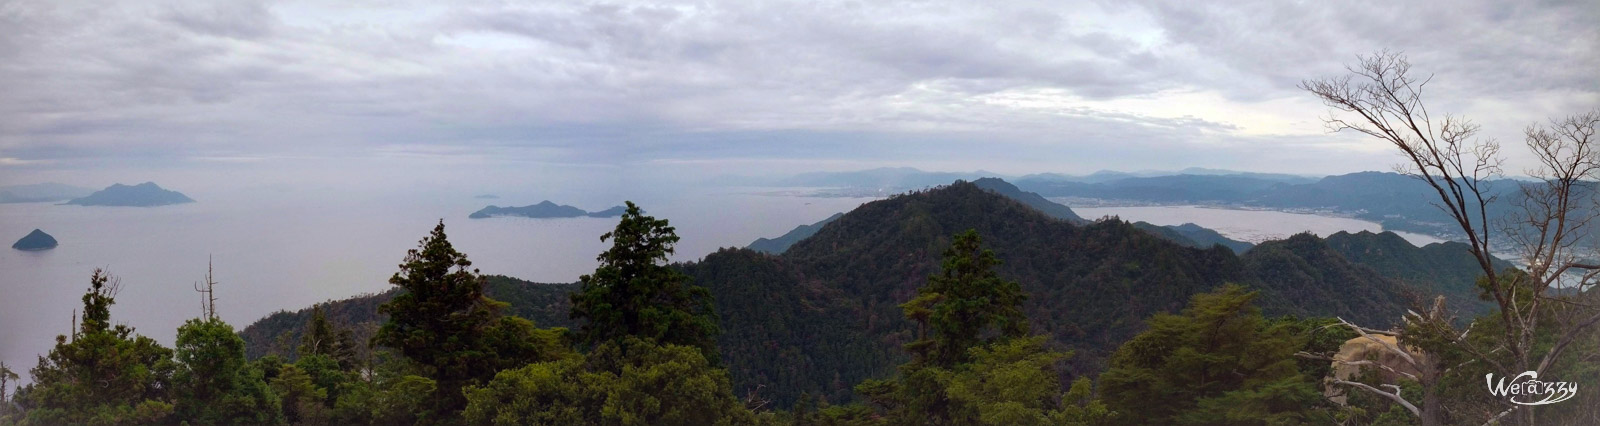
x=742, y=86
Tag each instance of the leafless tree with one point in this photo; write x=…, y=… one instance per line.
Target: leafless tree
x=1547, y=228
x=208, y=294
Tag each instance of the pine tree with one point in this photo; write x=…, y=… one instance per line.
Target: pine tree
x=964, y=309
x=965, y=305
x=323, y=338
x=440, y=318
x=102, y=374
x=443, y=322
x=633, y=293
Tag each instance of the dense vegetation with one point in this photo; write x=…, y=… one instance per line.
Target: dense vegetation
x=955, y=305
x=1435, y=269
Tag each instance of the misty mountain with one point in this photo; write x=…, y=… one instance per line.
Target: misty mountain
x=39, y=192
x=146, y=194
x=886, y=177
x=1104, y=176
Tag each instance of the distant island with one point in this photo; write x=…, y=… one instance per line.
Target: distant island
x=545, y=210
x=41, y=192
x=146, y=194
x=36, y=240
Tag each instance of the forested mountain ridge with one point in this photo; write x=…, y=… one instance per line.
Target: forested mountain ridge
x=1038, y=202
x=1446, y=268
x=278, y=333
x=779, y=244
x=825, y=314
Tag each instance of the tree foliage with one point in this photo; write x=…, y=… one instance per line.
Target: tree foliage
x=633, y=382
x=101, y=374
x=1218, y=362
x=634, y=293
x=965, y=305
x=445, y=323
x=974, y=363
x=212, y=384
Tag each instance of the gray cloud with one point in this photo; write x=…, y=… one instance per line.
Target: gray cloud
x=592, y=83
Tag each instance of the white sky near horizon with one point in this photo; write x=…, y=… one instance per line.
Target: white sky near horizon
x=280, y=91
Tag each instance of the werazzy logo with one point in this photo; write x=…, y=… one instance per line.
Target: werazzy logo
x=1526, y=387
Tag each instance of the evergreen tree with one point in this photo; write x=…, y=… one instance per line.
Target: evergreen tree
x=303, y=401
x=963, y=311
x=633, y=292
x=323, y=338
x=102, y=374
x=965, y=305
x=444, y=323
x=1016, y=383
x=1219, y=362
x=213, y=384
x=632, y=382
x=440, y=318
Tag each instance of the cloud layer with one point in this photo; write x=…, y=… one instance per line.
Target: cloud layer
x=1023, y=86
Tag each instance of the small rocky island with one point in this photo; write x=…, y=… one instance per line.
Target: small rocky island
x=146, y=194
x=545, y=210
x=36, y=240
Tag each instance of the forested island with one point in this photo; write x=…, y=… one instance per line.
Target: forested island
x=36, y=240
x=146, y=194
x=544, y=210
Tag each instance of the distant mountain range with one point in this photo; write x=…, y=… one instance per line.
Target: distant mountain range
x=1396, y=201
x=41, y=192
x=1109, y=175
x=900, y=179
x=545, y=209
x=146, y=194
